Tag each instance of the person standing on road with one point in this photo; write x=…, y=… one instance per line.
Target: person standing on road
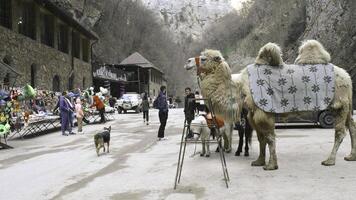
x=79, y=114
x=145, y=109
x=189, y=108
x=65, y=109
x=161, y=104
x=99, y=107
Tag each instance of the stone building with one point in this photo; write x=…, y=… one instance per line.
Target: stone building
x=142, y=75
x=42, y=42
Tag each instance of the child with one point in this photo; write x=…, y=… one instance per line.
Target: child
x=79, y=114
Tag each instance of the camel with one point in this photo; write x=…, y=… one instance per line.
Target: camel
x=310, y=52
x=224, y=106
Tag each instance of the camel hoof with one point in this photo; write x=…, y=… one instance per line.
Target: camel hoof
x=258, y=163
x=237, y=153
x=207, y=155
x=270, y=167
x=328, y=162
x=246, y=154
x=350, y=158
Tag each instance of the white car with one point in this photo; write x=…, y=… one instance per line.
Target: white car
x=129, y=101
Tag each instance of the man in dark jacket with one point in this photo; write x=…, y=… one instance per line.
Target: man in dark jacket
x=162, y=106
x=189, y=107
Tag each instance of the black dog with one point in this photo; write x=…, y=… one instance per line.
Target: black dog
x=101, y=138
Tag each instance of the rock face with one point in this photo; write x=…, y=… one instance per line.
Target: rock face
x=188, y=18
x=333, y=24
x=289, y=22
x=87, y=12
x=292, y=21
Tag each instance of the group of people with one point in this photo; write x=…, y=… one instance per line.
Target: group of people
x=191, y=106
x=68, y=108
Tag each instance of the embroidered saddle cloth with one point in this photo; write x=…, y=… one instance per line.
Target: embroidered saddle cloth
x=291, y=88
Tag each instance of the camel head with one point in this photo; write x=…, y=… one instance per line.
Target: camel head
x=270, y=54
x=209, y=62
x=312, y=52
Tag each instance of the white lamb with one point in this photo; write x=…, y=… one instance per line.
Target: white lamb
x=200, y=126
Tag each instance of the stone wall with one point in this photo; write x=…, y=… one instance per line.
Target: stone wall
x=48, y=62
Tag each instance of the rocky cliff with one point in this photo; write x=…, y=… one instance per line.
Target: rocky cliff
x=186, y=19
x=289, y=22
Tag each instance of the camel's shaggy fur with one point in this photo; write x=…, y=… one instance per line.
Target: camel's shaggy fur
x=312, y=52
x=216, y=84
x=270, y=54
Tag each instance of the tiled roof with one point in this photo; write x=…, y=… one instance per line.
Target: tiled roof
x=138, y=59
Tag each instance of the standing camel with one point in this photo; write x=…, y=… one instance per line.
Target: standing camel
x=312, y=55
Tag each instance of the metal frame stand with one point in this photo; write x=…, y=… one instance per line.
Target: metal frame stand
x=5, y=145
x=184, y=141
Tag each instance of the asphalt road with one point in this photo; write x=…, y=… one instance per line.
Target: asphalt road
x=140, y=167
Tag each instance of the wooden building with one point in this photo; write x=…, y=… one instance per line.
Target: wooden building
x=142, y=75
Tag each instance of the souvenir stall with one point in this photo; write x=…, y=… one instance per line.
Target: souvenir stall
x=35, y=115
x=7, y=79
x=91, y=114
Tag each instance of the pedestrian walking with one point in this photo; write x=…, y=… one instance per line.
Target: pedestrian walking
x=189, y=108
x=79, y=114
x=161, y=104
x=145, y=109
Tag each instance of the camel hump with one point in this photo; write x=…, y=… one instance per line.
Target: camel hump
x=269, y=54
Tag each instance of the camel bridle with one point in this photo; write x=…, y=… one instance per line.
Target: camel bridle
x=199, y=68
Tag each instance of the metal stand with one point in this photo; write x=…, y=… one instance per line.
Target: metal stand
x=184, y=142
x=5, y=145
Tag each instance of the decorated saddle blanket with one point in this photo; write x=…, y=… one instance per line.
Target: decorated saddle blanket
x=291, y=88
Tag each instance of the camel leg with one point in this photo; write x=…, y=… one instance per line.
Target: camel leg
x=340, y=133
x=227, y=137
x=230, y=131
x=261, y=158
x=272, y=163
x=352, y=129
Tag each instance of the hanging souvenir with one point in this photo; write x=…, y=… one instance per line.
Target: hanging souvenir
x=29, y=92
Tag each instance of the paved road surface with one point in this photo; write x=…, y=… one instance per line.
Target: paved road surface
x=140, y=167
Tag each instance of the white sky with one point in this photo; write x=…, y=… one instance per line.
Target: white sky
x=237, y=4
